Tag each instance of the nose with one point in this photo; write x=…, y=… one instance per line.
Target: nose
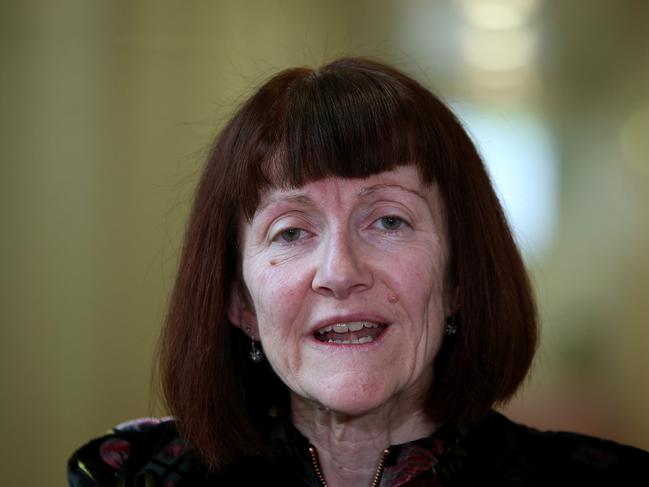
x=342, y=268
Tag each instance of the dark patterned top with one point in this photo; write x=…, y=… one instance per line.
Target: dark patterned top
x=491, y=452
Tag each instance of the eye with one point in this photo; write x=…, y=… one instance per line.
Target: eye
x=290, y=235
x=391, y=222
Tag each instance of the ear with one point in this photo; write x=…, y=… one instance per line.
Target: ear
x=241, y=313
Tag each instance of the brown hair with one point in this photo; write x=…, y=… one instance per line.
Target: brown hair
x=350, y=118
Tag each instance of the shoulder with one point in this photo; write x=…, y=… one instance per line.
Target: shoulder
x=150, y=452
x=146, y=449
x=553, y=456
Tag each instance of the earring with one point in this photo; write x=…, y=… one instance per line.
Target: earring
x=450, y=325
x=256, y=355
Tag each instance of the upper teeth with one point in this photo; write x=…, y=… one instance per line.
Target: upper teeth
x=347, y=327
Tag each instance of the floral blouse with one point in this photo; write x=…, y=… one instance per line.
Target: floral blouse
x=491, y=452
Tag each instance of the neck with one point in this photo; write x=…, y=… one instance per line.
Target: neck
x=350, y=449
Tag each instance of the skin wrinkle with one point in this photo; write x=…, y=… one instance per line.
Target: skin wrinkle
x=288, y=197
x=351, y=404
x=348, y=443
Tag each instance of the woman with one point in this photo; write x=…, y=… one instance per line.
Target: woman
x=349, y=307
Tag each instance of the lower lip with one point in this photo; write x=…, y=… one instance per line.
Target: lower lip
x=350, y=346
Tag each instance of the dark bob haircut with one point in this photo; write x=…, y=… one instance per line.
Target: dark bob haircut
x=351, y=118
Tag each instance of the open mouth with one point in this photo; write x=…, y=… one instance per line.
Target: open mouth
x=352, y=333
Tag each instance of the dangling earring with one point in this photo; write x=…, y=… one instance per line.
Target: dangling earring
x=256, y=355
x=450, y=325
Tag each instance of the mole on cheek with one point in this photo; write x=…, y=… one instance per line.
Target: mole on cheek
x=393, y=298
x=273, y=262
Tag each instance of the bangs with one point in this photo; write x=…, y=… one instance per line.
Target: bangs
x=343, y=120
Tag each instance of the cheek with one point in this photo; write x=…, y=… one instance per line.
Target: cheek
x=419, y=272
x=276, y=295
x=419, y=291
x=282, y=290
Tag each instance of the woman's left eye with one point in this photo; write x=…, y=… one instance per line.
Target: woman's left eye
x=391, y=222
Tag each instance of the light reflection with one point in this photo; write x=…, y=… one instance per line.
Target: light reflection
x=494, y=16
x=498, y=38
x=498, y=14
x=499, y=51
x=521, y=159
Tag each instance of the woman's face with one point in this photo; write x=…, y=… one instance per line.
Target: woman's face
x=347, y=289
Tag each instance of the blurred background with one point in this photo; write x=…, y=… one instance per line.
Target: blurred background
x=108, y=109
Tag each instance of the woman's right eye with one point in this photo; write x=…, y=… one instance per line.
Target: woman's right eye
x=289, y=235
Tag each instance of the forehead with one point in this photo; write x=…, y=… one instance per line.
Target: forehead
x=404, y=179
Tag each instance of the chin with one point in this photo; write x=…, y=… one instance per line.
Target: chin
x=352, y=398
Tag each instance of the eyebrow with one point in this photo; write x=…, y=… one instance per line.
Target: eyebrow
x=288, y=198
x=306, y=201
x=377, y=187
